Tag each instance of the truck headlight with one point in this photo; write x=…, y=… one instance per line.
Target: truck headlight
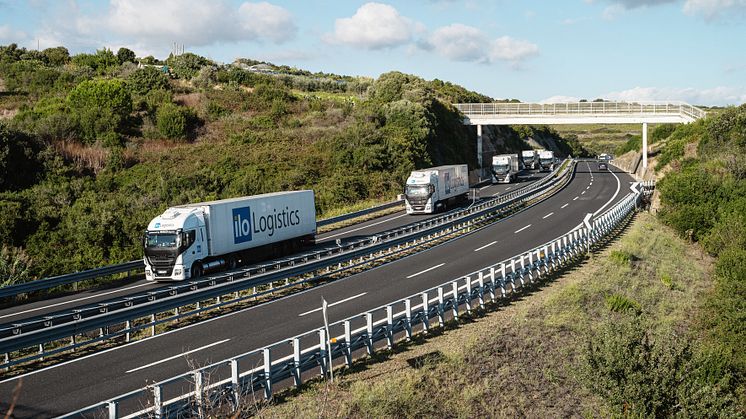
x=177, y=271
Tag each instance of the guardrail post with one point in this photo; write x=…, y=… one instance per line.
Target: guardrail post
x=235, y=386
x=408, y=318
x=467, y=302
x=267, y=352
x=297, y=379
x=441, y=319
x=523, y=269
x=502, y=279
x=41, y=351
x=454, y=285
x=199, y=392
x=369, y=330
x=512, y=276
x=113, y=409
x=390, y=326
x=425, y=313
x=127, y=325
x=348, y=343
x=152, y=324
x=493, y=283
x=480, y=278
x=531, y=264
x=157, y=401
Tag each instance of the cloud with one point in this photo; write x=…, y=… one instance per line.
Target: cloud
x=619, y=7
x=716, y=96
x=715, y=9
x=9, y=35
x=560, y=99
x=459, y=42
x=373, y=26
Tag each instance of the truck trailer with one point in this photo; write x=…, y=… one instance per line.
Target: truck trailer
x=546, y=160
x=504, y=168
x=434, y=189
x=530, y=159
x=188, y=240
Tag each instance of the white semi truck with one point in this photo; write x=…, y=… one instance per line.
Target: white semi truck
x=504, y=168
x=188, y=240
x=530, y=159
x=434, y=189
x=546, y=160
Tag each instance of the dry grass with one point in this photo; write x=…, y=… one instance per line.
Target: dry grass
x=522, y=359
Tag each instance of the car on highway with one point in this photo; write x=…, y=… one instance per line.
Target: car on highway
x=602, y=165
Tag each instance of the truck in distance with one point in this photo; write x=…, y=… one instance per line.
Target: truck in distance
x=546, y=160
x=530, y=159
x=434, y=189
x=504, y=168
x=188, y=240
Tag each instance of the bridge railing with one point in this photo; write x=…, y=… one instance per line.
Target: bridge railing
x=580, y=108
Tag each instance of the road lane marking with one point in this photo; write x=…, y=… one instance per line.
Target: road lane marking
x=519, y=230
x=547, y=216
x=485, y=246
x=564, y=205
x=177, y=356
x=575, y=199
x=508, y=188
x=426, y=270
x=363, y=227
x=332, y=304
x=73, y=301
x=484, y=187
x=618, y=186
x=587, y=187
x=582, y=193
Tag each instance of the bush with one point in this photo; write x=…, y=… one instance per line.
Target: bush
x=144, y=80
x=173, y=121
x=100, y=106
x=14, y=266
x=19, y=167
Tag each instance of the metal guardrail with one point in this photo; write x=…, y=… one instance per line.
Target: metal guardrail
x=580, y=108
x=54, y=327
x=138, y=265
x=236, y=380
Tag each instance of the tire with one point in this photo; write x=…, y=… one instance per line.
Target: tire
x=231, y=262
x=197, y=270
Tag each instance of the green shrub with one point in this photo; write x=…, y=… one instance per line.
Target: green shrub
x=14, y=266
x=633, y=143
x=622, y=304
x=100, y=106
x=173, y=121
x=147, y=79
x=621, y=257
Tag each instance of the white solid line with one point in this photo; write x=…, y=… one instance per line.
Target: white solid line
x=564, y=206
x=333, y=304
x=177, y=356
x=485, y=246
x=519, y=230
x=547, y=216
x=575, y=199
x=73, y=301
x=363, y=227
x=426, y=270
x=618, y=186
x=484, y=187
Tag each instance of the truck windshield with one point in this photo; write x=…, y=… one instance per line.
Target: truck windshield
x=417, y=190
x=547, y=160
x=500, y=168
x=160, y=240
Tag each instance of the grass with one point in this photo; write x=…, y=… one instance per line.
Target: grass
x=523, y=359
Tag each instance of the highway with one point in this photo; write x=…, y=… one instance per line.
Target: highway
x=90, y=297
x=68, y=386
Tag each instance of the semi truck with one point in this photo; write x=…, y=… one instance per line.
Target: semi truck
x=504, y=168
x=434, y=189
x=530, y=159
x=187, y=241
x=546, y=160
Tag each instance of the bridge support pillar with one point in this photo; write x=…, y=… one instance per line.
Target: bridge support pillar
x=644, y=147
x=479, y=150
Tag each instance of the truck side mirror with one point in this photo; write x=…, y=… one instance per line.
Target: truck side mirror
x=431, y=188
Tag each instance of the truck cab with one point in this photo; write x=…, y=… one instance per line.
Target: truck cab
x=173, y=242
x=504, y=168
x=529, y=159
x=421, y=192
x=546, y=160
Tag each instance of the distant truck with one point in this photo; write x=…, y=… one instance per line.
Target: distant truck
x=188, y=240
x=546, y=160
x=504, y=168
x=434, y=189
x=530, y=159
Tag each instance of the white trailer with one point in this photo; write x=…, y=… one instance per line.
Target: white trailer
x=546, y=160
x=504, y=168
x=530, y=159
x=188, y=240
x=434, y=189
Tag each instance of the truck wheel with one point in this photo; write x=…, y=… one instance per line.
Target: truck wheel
x=196, y=270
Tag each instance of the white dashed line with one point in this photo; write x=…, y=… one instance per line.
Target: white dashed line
x=547, y=216
x=485, y=246
x=363, y=227
x=518, y=231
x=484, y=187
x=575, y=199
x=333, y=304
x=177, y=356
x=426, y=270
x=564, y=206
x=582, y=193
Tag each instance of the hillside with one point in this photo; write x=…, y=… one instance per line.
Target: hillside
x=92, y=146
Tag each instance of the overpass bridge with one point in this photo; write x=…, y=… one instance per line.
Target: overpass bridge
x=578, y=113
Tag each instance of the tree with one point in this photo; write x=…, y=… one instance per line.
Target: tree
x=57, y=56
x=186, y=66
x=101, y=61
x=172, y=121
x=125, y=55
x=18, y=164
x=143, y=80
x=100, y=107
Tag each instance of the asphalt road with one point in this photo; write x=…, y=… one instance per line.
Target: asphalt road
x=69, y=386
x=44, y=307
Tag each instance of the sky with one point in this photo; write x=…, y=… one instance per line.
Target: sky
x=534, y=51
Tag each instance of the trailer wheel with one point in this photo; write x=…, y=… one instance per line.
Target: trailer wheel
x=196, y=270
x=231, y=262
